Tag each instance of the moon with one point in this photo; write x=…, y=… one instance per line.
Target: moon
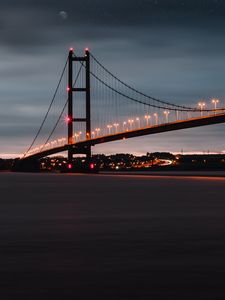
x=63, y=14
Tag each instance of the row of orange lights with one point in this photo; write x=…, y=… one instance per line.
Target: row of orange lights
x=96, y=132
x=116, y=125
x=214, y=101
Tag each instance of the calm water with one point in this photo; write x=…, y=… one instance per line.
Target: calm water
x=111, y=237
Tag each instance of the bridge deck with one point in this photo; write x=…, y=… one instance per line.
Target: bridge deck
x=79, y=147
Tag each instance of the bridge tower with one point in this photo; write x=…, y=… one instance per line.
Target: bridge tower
x=71, y=90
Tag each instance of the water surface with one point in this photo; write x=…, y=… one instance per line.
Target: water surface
x=111, y=237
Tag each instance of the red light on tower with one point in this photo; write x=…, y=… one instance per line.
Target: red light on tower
x=68, y=119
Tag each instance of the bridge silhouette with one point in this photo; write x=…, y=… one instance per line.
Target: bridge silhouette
x=102, y=108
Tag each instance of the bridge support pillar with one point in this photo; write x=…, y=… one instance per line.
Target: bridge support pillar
x=88, y=101
x=85, y=60
x=70, y=105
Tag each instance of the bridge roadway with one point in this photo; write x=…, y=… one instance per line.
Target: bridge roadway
x=80, y=147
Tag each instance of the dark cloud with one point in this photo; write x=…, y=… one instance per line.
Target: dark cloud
x=37, y=23
x=177, y=46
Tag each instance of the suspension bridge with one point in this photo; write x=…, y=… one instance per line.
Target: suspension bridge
x=91, y=106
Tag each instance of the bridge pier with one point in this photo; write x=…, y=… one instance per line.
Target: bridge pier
x=87, y=166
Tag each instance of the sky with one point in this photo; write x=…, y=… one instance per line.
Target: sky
x=174, y=50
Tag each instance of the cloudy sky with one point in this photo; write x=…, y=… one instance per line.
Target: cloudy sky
x=172, y=49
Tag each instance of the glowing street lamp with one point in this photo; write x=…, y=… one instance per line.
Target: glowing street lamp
x=130, y=122
x=156, y=118
x=201, y=105
x=215, y=102
x=109, y=128
x=76, y=136
x=166, y=113
x=139, y=122
x=97, y=131
x=147, y=118
x=80, y=135
x=116, y=126
x=87, y=135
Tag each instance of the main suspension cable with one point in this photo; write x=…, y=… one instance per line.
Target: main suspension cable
x=148, y=104
x=49, y=108
x=63, y=109
x=136, y=91
x=176, y=107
